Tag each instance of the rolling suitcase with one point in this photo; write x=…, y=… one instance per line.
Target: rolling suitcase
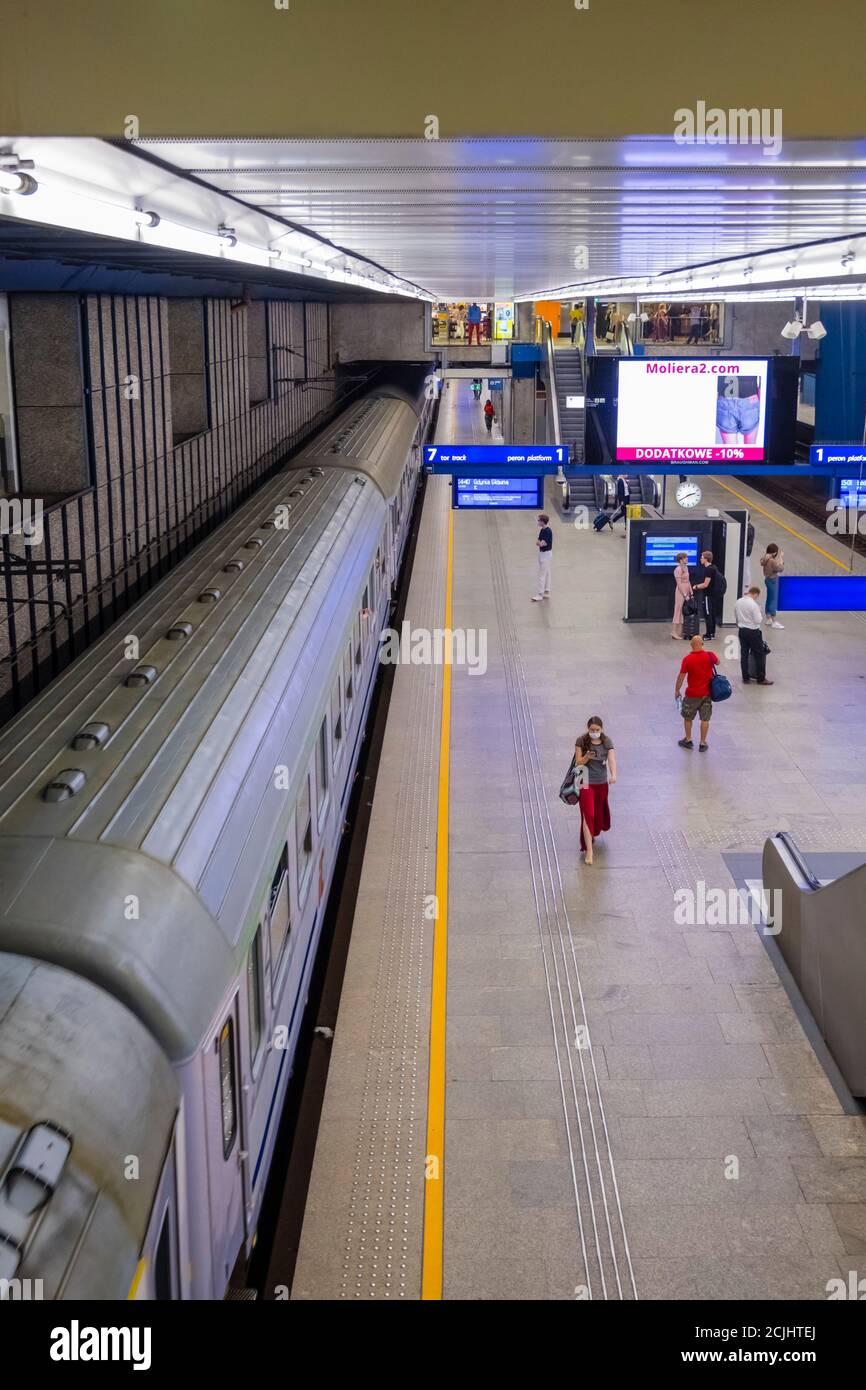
x=752, y=666
x=601, y=519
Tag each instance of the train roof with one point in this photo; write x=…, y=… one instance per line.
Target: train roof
x=83, y=1091
x=137, y=818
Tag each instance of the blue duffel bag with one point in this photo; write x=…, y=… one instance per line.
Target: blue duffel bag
x=720, y=687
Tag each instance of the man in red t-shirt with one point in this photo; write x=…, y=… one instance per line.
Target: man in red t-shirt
x=697, y=670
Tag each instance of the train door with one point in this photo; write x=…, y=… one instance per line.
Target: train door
x=160, y=1262
x=227, y=1156
x=262, y=1070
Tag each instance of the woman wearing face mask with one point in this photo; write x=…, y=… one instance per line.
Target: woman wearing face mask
x=594, y=751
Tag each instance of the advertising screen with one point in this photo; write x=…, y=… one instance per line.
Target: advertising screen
x=660, y=552
x=499, y=492
x=690, y=409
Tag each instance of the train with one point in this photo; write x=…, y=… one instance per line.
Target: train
x=171, y=810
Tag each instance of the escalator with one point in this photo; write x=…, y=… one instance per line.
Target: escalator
x=820, y=929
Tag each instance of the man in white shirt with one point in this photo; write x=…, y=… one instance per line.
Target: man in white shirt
x=749, y=619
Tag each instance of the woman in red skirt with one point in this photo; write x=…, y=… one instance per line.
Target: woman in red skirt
x=594, y=751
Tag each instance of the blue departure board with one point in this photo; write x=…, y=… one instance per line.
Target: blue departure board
x=497, y=492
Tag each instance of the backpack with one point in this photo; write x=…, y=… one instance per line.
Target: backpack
x=721, y=584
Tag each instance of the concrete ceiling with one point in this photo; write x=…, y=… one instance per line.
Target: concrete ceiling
x=499, y=218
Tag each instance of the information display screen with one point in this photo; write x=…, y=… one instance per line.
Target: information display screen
x=498, y=492
x=660, y=552
x=689, y=409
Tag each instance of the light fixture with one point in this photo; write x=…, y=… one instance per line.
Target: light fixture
x=848, y=261
x=795, y=326
x=14, y=181
x=227, y=235
x=145, y=219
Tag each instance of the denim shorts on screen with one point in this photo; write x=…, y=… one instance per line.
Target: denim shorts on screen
x=737, y=417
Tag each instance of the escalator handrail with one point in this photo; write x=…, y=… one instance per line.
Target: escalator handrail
x=784, y=837
x=547, y=334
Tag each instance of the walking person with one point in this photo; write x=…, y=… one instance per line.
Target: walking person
x=749, y=621
x=772, y=563
x=594, y=751
x=473, y=324
x=623, y=496
x=544, y=544
x=489, y=414
x=712, y=584
x=684, y=591
x=697, y=670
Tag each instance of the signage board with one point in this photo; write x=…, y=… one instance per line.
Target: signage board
x=496, y=491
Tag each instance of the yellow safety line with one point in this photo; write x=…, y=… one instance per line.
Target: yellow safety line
x=434, y=1184
x=753, y=506
x=139, y=1271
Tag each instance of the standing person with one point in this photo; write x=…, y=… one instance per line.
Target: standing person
x=683, y=584
x=576, y=316
x=473, y=321
x=544, y=544
x=772, y=563
x=711, y=587
x=697, y=670
x=751, y=637
x=594, y=751
x=694, y=324
x=489, y=414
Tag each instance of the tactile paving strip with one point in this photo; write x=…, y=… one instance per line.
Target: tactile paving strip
x=366, y=1191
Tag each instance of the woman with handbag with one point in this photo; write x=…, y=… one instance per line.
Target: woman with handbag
x=683, y=592
x=594, y=753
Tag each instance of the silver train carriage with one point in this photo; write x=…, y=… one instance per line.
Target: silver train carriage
x=170, y=814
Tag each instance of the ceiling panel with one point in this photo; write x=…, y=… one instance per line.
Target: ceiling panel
x=498, y=218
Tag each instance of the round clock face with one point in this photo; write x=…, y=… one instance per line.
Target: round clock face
x=688, y=494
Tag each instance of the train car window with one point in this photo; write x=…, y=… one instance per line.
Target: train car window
x=348, y=683
x=163, y=1264
x=358, y=641
x=304, y=830
x=228, y=1087
x=337, y=719
x=255, y=998
x=322, y=766
x=279, y=913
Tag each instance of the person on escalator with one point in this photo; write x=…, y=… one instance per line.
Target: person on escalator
x=489, y=414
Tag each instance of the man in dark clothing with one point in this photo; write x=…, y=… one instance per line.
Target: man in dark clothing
x=710, y=586
x=544, y=544
x=623, y=496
